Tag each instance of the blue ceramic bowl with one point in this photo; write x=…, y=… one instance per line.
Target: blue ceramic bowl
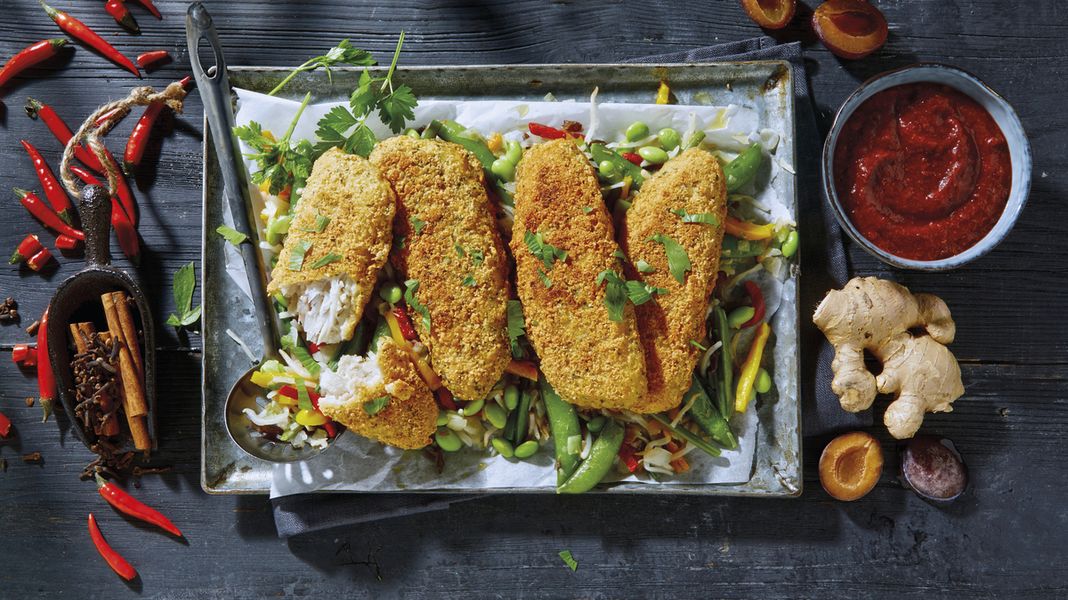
x=1004, y=115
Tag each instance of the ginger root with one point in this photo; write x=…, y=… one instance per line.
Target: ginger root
x=877, y=315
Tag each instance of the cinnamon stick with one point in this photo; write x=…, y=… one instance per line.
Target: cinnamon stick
x=132, y=389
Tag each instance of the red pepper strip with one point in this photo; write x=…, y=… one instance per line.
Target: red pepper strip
x=124, y=229
x=151, y=8
x=29, y=56
x=118, y=11
x=79, y=31
x=65, y=242
x=313, y=347
x=632, y=157
x=758, y=304
x=445, y=399
x=40, y=260
x=61, y=132
x=127, y=504
x=544, y=131
x=24, y=355
x=57, y=197
x=46, y=381
x=331, y=429
x=29, y=246
x=626, y=455
x=113, y=558
x=405, y=323
x=291, y=392
x=5, y=425
x=46, y=215
x=147, y=58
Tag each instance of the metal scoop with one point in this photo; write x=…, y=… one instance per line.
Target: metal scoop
x=214, y=88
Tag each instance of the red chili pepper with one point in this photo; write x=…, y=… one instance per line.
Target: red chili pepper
x=79, y=31
x=113, y=558
x=632, y=157
x=626, y=454
x=61, y=132
x=124, y=229
x=544, y=131
x=445, y=399
x=57, y=197
x=5, y=425
x=29, y=56
x=46, y=215
x=405, y=323
x=127, y=504
x=151, y=8
x=104, y=117
x=758, y=304
x=24, y=355
x=29, y=246
x=147, y=58
x=40, y=260
x=142, y=131
x=118, y=11
x=46, y=381
x=65, y=242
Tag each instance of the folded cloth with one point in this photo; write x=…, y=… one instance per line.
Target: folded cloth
x=823, y=265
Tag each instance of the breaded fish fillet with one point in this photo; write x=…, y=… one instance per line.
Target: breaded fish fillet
x=692, y=182
x=329, y=300
x=591, y=360
x=453, y=249
x=349, y=396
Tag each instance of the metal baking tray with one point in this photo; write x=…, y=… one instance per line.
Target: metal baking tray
x=765, y=86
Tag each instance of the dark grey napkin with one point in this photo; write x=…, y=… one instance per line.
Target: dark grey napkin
x=823, y=266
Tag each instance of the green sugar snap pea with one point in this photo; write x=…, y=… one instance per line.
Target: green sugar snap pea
x=564, y=423
x=743, y=168
x=592, y=470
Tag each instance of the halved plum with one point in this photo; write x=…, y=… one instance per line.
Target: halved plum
x=850, y=28
x=932, y=467
x=770, y=14
x=850, y=465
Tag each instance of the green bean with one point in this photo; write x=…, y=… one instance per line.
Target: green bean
x=653, y=154
x=689, y=436
x=637, y=131
x=599, y=462
x=472, y=408
x=526, y=449
x=495, y=415
x=601, y=153
x=522, y=415
x=511, y=397
x=391, y=293
x=447, y=440
x=790, y=244
x=694, y=140
x=596, y=424
x=608, y=170
x=451, y=131
x=707, y=416
x=513, y=152
x=725, y=389
x=743, y=168
x=503, y=168
x=564, y=423
x=503, y=447
x=763, y=381
x=740, y=316
x=669, y=138
x=443, y=419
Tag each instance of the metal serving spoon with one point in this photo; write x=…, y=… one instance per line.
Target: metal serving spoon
x=214, y=86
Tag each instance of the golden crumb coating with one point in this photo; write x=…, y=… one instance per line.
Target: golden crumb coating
x=591, y=360
x=692, y=182
x=348, y=190
x=406, y=421
x=453, y=249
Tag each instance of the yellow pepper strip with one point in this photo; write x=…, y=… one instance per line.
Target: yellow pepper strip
x=286, y=400
x=750, y=368
x=522, y=368
x=495, y=143
x=749, y=231
x=663, y=93
x=261, y=379
x=427, y=373
x=395, y=331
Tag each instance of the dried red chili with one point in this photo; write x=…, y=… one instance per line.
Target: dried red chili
x=65, y=242
x=59, y=129
x=29, y=246
x=544, y=131
x=115, y=560
x=118, y=11
x=127, y=504
x=81, y=32
x=147, y=58
x=46, y=381
x=759, y=306
x=40, y=260
x=29, y=56
x=138, y=142
x=57, y=197
x=120, y=222
x=43, y=213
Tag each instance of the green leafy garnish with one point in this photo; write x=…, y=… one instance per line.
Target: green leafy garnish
x=644, y=267
x=678, y=260
x=417, y=224
x=459, y=250
x=619, y=254
x=703, y=218
x=477, y=257
x=231, y=235
x=698, y=345
x=320, y=224
x=303, y=397
x=618, y=291
x=280, y=164
x=548, y=283
x=398, y=242
x=375, y=406
x=297, y=253
x=543, y=251
x=342, y=54
x=517, y=327
x=639, y=293
x=410, y=288
x=587, y=210
x=322, y=262
x=565, y=555
x=185, y=281
x=469, y=281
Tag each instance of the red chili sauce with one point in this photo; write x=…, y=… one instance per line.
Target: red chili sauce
x=922, y=170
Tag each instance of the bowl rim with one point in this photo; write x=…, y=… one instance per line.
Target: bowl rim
x=1013, y=207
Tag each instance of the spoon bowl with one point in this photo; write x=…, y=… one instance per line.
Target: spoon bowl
x=246, y=394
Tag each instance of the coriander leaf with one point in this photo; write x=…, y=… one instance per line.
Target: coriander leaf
x=342, y=54
x=703, y=218
x=417, y=224
x=678, y=260
x=548, y=283
x=364, y=97
x=325, y=260
x=411, y=287
x=320, y=224
x=469, y=281
x=569, y=560
x=334, y=124
x=517, y=327
x=296, y=255
x=639, y=293
x=545, y=252
x=397, y=108
x=644, y=267
x=280, y=164
x=231, y=235
x=361, y=142
x=375, y=406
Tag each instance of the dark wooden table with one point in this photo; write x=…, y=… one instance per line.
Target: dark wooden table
x=1005, y=538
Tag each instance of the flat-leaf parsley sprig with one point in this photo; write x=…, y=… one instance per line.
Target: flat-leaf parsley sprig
x=342, y=54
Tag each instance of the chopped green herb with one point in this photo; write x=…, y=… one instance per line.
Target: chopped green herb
x=375, y=406
x=545, y=279
x=543, y=251
x=320, y=224
x=411, y=287
x=185, y=281
x=639, y=293
x=569, y=560
x=619, y=254
x=469, y=281
x=398, y=243
x=280, y=164
x=417, y=224
x=678, y=261
x=517, y=327
x=615, y=293
x=477, y=257
x=231, y=235
x=644, y=267
x=303, y=397
x=322, y=262
x=587, y=210
x=296, y=255
x=460, y=251
x=698, y=345
x=703, y=218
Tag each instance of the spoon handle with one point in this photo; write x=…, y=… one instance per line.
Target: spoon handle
x=95, y=210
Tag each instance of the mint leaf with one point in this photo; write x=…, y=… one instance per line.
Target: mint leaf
x=639, y=293
x=320, y=224
x=548, y=283
x=185, y=281
x=644, y=267
x=615, y=293
x=231, y=235
x=569, y=560
x=678, y=260
x=469, y=281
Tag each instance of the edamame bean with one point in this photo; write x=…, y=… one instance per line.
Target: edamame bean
x=790, y=244
x=763, y=382
x=669, y=138
x=513, y=152
x=526, y=449
x=495, y=415
x=743, y=168
x=608, y=170
x=472, y=408
x=391, y=293
x=637, y=131
x=739, y=316
x=511, y=397
x=503, y=447
x=443, y=418
x=596, y=424
x=447, y=440
x=653, y=154
x=503, y=168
